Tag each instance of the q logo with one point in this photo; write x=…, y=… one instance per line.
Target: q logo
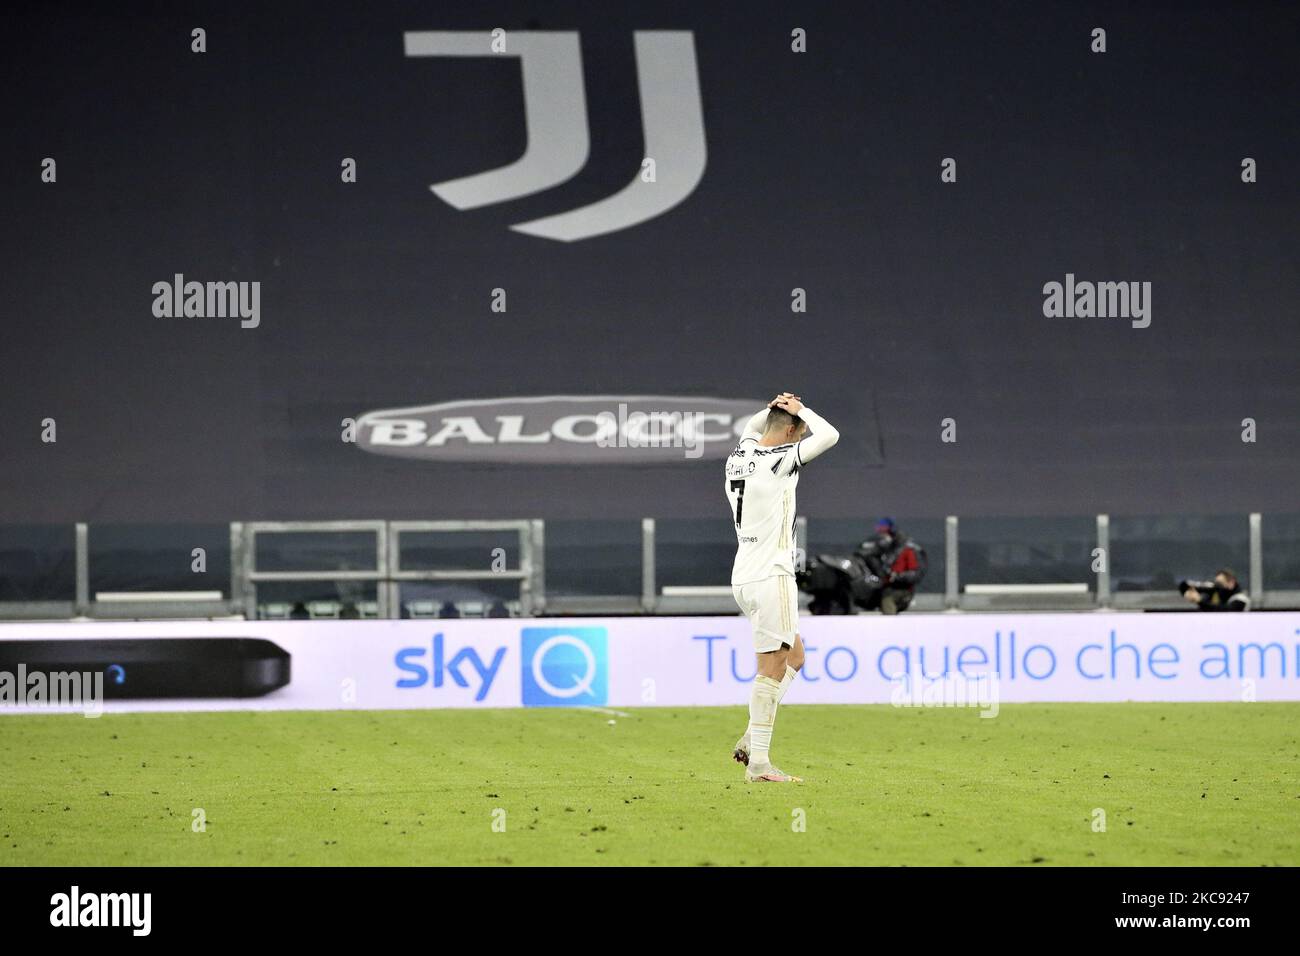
x=564, y=667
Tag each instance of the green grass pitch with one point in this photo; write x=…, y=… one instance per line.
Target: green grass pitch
x=1180, y=784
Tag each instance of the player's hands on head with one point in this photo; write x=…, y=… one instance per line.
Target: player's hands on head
x=779, y=401
x=791, y=404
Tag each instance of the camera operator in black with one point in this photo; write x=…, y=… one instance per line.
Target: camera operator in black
x=1224, y=593
x=897, y=563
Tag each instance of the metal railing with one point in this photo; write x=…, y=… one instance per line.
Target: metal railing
x=388, y=574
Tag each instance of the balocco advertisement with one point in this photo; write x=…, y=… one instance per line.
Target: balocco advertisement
x=560, y=429
x=642, y=662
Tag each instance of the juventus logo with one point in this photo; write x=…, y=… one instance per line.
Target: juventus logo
x=555, y=114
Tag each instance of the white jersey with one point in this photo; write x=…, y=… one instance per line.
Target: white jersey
x=760, y=485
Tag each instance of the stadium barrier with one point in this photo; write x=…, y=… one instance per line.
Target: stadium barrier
x=635, y=662
x=386, y=569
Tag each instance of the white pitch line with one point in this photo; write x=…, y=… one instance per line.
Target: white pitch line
x=606, y=710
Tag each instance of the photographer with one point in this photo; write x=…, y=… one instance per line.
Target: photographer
x=1221, y=594
x=896, y=562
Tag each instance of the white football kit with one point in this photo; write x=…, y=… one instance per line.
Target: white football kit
x=760, y=484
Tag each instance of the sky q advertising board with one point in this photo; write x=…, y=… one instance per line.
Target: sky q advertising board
x=627, y=663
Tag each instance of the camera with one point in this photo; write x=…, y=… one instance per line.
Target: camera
x=837, y=584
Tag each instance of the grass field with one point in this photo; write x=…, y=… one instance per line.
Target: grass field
x=1180, y=784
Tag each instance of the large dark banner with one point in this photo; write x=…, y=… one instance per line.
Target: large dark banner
x=477, y=246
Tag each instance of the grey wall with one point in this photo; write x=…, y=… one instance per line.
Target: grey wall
x=925, y=299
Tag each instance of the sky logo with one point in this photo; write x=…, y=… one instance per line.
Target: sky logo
x=465, y=668
x=564, y=667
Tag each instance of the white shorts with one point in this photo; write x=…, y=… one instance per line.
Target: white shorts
x=772, y=606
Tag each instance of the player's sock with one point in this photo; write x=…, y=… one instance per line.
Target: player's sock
x=762, y=717
x=786, y=681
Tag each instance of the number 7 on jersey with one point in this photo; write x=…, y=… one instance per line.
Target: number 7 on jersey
x=738, y=486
